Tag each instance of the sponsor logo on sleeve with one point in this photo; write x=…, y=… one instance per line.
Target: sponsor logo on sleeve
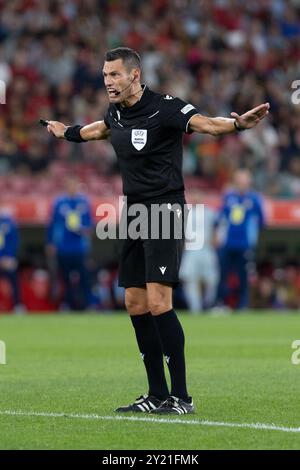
x=187, y=108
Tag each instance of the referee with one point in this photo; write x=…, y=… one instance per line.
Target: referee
x=145, y=129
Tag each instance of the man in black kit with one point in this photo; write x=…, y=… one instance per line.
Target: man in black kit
x=146, y=130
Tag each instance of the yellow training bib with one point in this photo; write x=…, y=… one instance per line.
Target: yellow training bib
x=73, y=221
x=2, y=240
x=237, y=214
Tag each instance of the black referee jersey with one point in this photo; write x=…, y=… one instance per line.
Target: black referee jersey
x=147, y=139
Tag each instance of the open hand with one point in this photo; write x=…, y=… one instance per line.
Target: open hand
x=253, y=117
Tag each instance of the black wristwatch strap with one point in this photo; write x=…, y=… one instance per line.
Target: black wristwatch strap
x=239, y=129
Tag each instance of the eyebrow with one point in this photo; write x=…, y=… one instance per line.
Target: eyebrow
x=109, y=73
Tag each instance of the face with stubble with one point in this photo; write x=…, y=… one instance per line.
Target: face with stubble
x=120, y=81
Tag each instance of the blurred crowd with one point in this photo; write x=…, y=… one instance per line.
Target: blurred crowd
x=221, y=55
x=276, y=288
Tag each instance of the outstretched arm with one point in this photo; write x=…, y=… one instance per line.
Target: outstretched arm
x=95, y=131
x=220, y=125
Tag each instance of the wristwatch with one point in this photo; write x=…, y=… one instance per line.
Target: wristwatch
x=239, y=129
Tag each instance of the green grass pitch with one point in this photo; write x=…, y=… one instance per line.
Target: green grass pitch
x=80, y=367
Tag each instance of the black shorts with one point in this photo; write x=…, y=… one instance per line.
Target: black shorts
x=155, y=255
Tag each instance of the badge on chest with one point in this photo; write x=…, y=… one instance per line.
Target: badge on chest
x=139, y=138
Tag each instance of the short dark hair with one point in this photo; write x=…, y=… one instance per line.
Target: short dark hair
x=129, y=57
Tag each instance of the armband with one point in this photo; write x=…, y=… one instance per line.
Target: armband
x=72, y=134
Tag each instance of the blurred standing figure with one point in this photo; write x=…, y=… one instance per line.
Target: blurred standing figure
x=199, y=270
x=9, y=244
x=238, y=225
x=69, y=234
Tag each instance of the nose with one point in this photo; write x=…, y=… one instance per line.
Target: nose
x=107, y=81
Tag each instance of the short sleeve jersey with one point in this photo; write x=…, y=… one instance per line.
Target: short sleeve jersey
x=147, y=139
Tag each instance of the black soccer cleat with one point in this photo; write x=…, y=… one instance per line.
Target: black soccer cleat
x=143, y=404
x=175, y=406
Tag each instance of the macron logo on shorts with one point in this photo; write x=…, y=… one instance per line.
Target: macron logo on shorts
x=163, y=269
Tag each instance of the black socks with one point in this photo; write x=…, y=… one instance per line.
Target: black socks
x=158, y=335
x=172, y=339
x=151, y=351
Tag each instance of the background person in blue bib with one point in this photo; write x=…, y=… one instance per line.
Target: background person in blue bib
x=69, y=235
x=238, y=225
x=9, y=245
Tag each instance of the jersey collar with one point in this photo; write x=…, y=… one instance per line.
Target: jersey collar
x=144, y=99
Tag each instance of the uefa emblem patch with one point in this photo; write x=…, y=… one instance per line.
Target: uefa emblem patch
x=139, y=138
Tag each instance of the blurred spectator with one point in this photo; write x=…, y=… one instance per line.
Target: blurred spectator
x=263, y=294
x=279, y=290
x=68, y=240
x=199, y=271
x=237, y=229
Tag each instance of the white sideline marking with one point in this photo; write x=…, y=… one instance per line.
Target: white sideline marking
x=267, y=427
x=2, y=353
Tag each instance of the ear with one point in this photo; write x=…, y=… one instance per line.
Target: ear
x=136, y=75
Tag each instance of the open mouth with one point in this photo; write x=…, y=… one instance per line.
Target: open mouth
x=112, y=92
